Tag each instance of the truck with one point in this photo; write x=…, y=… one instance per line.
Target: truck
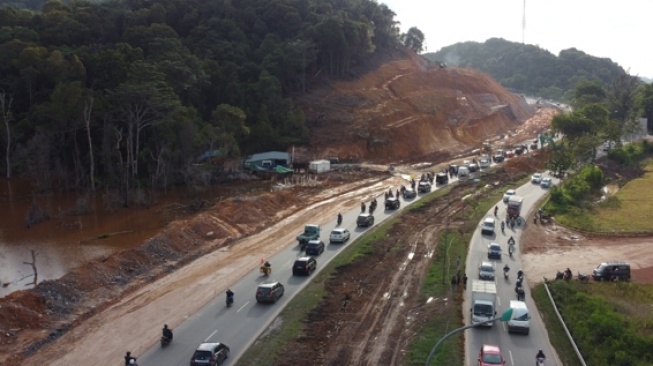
x=514, y=206
x=484, y=302
x=311, y=232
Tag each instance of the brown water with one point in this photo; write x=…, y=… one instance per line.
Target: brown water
x=65, y=242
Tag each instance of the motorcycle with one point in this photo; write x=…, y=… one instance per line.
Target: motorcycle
x=339, y=220
x=539, y=361
x=510, y=250
x=302, y=245
x=583, y=278
x=559, y=275
x=265, y=270
x=521, y=293
x=503, y=228
x=165, y=341
x=230, y=300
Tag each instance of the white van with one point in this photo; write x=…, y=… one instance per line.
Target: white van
x=520, y=320
x=463, y=172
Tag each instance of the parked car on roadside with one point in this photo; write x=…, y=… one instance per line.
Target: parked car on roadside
x=607, y=271
x=339, y=235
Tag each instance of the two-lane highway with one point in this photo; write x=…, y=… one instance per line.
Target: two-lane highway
x=239, y=326
x=518, y=349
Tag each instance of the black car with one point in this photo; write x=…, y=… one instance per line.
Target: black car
x=269, y=292
x=365, y=219
x=304, y=266
x=392, y=203
x=424, y=186
x=409, y=193
x=442, y=178
x=315, y=247
x=498, y=158
x=210, y=354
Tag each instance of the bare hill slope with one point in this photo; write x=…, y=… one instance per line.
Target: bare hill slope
x=407, y=109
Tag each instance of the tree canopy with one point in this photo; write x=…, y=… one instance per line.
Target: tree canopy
x=146, y=88
x=528, y=68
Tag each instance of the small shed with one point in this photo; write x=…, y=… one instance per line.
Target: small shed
x=319, y=166
x=267, y=161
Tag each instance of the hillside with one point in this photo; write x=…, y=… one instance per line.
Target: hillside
x=529, y=68
x=407, y=110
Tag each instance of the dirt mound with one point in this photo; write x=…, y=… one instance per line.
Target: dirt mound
x=406, y=110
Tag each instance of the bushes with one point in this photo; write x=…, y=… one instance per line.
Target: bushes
x=607, y=332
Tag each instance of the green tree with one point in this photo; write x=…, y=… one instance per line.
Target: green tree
x=413, y=39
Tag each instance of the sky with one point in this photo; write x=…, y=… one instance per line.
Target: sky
x=618, y=30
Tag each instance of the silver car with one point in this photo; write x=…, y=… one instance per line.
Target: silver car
x=506, y=196
x=486, y=271
x=339, y=235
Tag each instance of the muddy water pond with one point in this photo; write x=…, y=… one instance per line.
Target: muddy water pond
x=67, y=240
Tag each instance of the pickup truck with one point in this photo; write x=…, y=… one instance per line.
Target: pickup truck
x=311, y=232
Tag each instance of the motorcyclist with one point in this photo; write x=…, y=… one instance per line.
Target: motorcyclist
x=506, y=269
x=511, y=241
x=568, y=273
x=267, y=264
x=520, y=274
x=503, y=227
x=230, y=296
x=496, y=209
x=510, y=250
x=167, y=332
x=129, y=358
x=539, y=358
x=362, y=206
x=339, y=218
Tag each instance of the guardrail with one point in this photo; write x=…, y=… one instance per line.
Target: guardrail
x=564, y=326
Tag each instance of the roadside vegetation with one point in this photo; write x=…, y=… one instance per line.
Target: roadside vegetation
x=610, y=322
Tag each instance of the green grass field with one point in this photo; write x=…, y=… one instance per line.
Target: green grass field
x=628, y=211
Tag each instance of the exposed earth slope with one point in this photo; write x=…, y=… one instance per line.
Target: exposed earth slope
x=407, y=109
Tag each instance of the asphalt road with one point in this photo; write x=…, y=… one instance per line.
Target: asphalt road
x=239, y=326
x=517, y=349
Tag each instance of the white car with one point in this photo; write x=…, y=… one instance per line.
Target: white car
x=506, y=196
x=546, y=183
x=339, y=235
x=488, y=226
x=537, y=178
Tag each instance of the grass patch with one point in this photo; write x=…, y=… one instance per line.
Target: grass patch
x=437, y=285
x=628, y=211
x=556, y=332
x=611, y=323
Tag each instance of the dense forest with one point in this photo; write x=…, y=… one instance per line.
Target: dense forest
x=127, y=94
x=530, y=69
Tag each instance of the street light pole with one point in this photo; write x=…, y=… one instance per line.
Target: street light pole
x=504, y=318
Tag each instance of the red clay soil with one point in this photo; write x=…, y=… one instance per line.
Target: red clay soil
x=406, y=110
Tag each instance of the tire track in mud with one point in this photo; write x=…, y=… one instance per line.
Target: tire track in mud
x=373, y=306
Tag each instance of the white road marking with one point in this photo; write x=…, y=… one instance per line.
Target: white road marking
x=210, y=335
x=512, y=361
x=242, y=307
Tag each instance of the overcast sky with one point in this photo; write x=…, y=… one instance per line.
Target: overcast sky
x=619, y=30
